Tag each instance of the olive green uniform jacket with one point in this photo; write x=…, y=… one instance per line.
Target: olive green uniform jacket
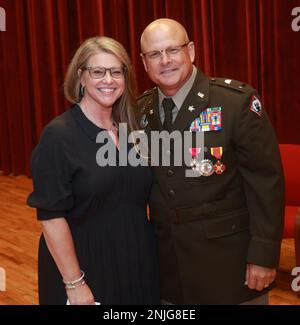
x=209, y=227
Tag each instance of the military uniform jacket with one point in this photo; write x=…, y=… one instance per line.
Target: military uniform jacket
x=209, y=227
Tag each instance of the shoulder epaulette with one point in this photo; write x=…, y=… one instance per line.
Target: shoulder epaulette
x=232, y=84
x=146, y=93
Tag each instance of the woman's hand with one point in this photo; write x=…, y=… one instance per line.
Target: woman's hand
x=81, y=295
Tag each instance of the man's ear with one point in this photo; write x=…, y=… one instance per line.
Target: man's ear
x=144, y=63
x=191, y=49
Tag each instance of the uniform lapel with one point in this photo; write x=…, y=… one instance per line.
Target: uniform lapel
x=195, y=102
x=152, y=113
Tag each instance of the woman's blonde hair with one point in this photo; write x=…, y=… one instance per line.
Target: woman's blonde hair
x=125, y=108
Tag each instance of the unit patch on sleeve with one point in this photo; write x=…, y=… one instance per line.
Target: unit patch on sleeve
x=255, y=106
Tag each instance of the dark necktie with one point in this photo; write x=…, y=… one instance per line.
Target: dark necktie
x=168, y=106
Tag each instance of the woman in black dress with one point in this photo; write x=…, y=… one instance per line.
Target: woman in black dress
x=97, y=243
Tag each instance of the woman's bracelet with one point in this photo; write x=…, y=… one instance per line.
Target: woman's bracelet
x=73, y=284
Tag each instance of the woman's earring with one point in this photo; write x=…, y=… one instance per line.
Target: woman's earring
x=81, y=90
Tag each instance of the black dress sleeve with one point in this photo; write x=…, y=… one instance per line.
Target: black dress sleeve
x=51, y=173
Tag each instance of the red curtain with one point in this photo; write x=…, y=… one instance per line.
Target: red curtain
x=248, y=40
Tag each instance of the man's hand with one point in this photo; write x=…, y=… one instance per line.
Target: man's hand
x=259, y=277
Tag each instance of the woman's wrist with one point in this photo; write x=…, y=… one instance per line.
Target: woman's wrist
x=75, y=283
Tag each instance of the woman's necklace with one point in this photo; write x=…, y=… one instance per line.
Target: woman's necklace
x=113, y=127
x=114, y=134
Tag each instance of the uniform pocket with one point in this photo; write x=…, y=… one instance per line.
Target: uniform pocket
x=232, y=223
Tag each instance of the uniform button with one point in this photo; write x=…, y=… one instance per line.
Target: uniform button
x=171, y=193
x=168, y=152
x=170, y=172
x=233, y=227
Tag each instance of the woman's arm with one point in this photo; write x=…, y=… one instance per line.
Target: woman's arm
x=61, y=246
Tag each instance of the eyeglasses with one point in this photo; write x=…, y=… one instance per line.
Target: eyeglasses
x=170, y=52
x=100, y=72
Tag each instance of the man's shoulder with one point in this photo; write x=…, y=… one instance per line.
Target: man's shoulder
x=146, y=95
x=231, y=85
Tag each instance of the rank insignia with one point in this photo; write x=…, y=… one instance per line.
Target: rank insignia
x=219, y=168
x=256, y=106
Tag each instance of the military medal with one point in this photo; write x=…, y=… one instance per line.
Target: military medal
x=219, y=168
x=206, y=167
x=216, y=152
x=194, y=153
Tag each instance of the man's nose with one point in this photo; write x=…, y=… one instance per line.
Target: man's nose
x=165, y=58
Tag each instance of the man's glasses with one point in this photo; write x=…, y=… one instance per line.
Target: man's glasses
x=100, y=72
x=170, y=52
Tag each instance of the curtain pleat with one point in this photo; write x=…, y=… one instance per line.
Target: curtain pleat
x=247, y=40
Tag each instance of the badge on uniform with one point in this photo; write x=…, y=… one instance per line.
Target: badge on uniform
x=204, y=167
x=143, y=121
x=256, y=106
x=209, y=120
x=218, y=167
x=194, y=153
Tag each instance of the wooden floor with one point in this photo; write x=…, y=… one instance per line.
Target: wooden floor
x=19, y=234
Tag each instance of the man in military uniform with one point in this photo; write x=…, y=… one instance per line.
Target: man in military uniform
x=218, y=234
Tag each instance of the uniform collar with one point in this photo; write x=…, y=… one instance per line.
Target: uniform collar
x=195, y=102
x=181, y=94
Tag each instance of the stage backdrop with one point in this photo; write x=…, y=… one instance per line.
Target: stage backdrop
x=255, y=41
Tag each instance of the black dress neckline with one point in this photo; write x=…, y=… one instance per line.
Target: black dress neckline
x=87, y=125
